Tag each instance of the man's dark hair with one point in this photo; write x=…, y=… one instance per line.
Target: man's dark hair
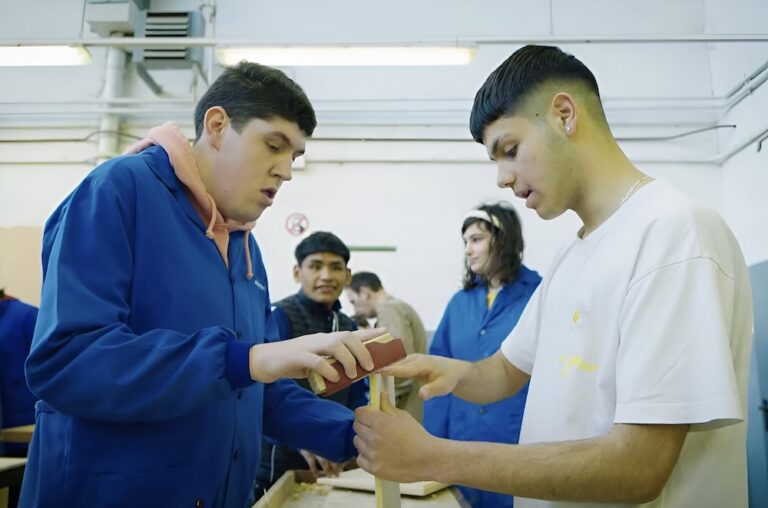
x=505, y=253
x=321, y=241
x=250, y=90
x=365, y=280
x=521, y=74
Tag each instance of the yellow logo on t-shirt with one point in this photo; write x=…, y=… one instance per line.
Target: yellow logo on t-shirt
x=571, y=363
x=579, y=317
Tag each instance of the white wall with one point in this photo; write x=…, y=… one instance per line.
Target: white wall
x=362, y=190
x=745, y=176
x=418, y=209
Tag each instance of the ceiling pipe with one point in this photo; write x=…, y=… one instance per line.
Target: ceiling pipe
x=113, y=87
x=740, y=91
x=715, y=160
x=92, y=134
x=728, y=101
x=758, y=136
x=139, y=42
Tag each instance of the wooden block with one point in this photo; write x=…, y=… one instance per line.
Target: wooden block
x=384, y=350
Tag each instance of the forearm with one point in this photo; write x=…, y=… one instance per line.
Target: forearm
x=489, y=380
x=297, y=418
x=112, y=374
x=610, y=468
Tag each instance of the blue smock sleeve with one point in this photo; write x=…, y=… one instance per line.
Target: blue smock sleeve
x=437, y=410
x=299, y=419
x=278, y=326
x=30, y=318
x=85, y=359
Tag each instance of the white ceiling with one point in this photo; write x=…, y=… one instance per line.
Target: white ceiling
x=643, y=84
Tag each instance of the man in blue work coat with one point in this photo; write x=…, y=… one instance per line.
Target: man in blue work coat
x=155, y=384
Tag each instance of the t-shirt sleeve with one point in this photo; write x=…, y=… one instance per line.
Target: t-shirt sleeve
x=674, y=361
x=519, y=348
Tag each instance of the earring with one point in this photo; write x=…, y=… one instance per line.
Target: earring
x=568, y=129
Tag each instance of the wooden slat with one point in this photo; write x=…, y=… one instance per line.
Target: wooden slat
x=387, y=492
x=22, y=434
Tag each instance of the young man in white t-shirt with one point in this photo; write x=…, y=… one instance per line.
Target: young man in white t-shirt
x=636, y=344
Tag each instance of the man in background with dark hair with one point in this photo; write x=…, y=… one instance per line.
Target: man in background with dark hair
x=636, y=343
x=368, y=297
x=321, y=270
x=149, y=358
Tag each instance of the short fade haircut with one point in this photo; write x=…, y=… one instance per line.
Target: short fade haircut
x=522, y=73
x=365, y=280
x=321, y=241
x=250, y=90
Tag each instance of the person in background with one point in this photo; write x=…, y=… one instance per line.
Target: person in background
x=321, y=270
x=636, y=344
x=369, y=298
x=149, y=359
x=497, y=287
x=17, y=403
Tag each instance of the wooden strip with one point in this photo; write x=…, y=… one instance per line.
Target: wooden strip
x=387, y=492
x=22, y=434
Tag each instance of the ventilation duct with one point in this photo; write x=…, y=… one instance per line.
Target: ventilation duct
x=164, y=25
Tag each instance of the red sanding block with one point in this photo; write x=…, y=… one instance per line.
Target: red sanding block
x=384, y=350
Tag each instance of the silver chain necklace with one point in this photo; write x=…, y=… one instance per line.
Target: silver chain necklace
x=632, y=189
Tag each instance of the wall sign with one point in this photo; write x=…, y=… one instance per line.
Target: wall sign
x=296, y=223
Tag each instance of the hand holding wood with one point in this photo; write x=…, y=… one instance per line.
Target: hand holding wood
x=383, y=349
x=293, y=358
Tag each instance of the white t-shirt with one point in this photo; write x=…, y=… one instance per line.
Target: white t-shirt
x=646, y=320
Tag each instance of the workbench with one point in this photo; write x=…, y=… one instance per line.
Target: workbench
x=22, y=434
x=11, y=474
x=287, y=493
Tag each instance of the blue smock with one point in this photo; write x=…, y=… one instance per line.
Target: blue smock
x=140, y=355
x=470, y=331
x=17, y=403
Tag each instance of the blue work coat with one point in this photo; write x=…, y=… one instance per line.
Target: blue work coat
x=17, y=403
x=140, y=355
x=470, y=331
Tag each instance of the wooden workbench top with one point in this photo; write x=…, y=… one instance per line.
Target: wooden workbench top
x=22, y=434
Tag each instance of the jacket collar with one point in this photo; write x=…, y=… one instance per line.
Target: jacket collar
x=317, y=307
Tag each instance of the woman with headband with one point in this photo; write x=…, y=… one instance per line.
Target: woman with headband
x=478, y=318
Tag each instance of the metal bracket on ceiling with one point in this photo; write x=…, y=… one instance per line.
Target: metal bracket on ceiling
x=141, y=69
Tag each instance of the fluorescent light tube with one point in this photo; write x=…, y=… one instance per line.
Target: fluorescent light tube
x=30, y=56
x=347, y=55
